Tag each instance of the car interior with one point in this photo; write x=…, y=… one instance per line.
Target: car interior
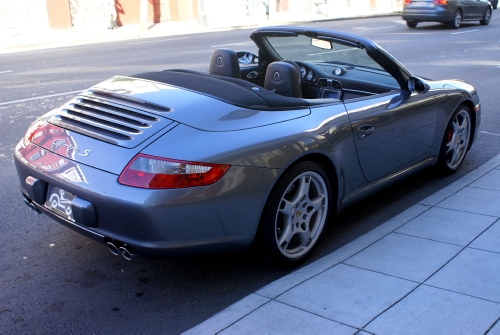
x=246, y=79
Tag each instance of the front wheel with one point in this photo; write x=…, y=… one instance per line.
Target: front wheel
x=411, y=24
x=487, y=17
x=456, y=140
x=457, y=20
x=296, y=214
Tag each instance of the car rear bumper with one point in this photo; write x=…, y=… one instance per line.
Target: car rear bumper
x=155, y=223
x=434, y=15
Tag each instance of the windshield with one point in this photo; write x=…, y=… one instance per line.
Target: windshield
x=301, y=48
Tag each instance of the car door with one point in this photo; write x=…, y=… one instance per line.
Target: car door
x=392, y=131
x=470, y=9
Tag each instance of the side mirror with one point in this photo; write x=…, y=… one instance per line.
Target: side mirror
x=416, y=84
x=247, y=57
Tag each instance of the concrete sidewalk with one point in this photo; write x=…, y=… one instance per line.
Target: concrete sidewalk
x=15, y=39
x=433, y=269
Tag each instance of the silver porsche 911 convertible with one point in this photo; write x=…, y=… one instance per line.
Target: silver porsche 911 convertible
x=265, y=149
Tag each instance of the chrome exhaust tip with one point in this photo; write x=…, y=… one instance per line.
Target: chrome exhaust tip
x=113, y=248
x=128, y=253
x=31, y=205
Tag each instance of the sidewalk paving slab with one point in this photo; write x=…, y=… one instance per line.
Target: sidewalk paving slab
x=473, y=272
x=448, y=226
x=403, y=256
x=474, y=200
x=354, y=297
x=429, y=310
x=230, y=315
x=489, y=240
x=495, y=330
x=469, y=178
x=279, y=318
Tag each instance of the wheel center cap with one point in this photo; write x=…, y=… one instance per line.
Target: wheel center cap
x=297, y=214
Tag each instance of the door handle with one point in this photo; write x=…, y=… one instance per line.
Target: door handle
x=365, y=130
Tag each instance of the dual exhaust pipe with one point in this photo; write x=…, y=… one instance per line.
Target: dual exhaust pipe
x=117, y=248
x=31, y=205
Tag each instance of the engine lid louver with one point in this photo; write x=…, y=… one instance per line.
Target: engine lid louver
x=111, y=118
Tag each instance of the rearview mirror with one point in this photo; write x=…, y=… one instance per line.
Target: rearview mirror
x=321, y=44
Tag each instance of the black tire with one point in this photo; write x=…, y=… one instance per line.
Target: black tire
x=456, y=140
x=411, y=24
x=487, y=17
x=457, y=20
x=296, y=214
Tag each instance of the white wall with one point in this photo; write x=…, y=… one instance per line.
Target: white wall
x=23, y=13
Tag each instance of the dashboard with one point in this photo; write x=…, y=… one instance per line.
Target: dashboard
x=343, y=81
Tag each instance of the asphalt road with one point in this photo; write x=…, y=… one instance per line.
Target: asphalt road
x=52, y=280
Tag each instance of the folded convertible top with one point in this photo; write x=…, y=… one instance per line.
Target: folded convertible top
x=232, y=90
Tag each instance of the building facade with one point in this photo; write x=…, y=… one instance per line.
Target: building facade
x=66, y=14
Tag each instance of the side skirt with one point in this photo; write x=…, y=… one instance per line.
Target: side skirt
x=380, y=184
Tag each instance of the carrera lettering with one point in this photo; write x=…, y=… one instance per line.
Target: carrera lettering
x=59, y=143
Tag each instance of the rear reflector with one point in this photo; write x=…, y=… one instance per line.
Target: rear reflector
x=155, y=172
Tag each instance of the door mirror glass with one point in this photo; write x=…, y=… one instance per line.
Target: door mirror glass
x=418, y=85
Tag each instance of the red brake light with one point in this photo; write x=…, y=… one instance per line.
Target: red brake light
x=406, y=2
x=33, y=128
x=440, y=2
x=155, y=172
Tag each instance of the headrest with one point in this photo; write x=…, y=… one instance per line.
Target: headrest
x=224, y=62
x=283, y=79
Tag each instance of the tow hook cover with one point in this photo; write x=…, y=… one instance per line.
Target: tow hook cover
x=84, y=212
x=36, y=189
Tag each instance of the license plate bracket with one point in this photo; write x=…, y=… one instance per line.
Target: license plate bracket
x=428, y=4
x=59, y=201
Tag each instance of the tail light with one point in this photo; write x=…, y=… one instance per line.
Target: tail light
x=440, y=2
x=406, y=2
x=32, y=131
x=155, y=172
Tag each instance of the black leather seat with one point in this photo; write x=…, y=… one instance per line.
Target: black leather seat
x=283, y=78
x=224, y=62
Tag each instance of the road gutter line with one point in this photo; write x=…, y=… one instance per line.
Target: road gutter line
x=42, y=97
x=408, y=33
x=464, y=32
x=172, y=39
x=223, y=45
x=366, y=28
x=485, y=132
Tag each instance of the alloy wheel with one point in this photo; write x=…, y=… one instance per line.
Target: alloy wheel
x=458, y=136
x=457, y=20
x=301, y=215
